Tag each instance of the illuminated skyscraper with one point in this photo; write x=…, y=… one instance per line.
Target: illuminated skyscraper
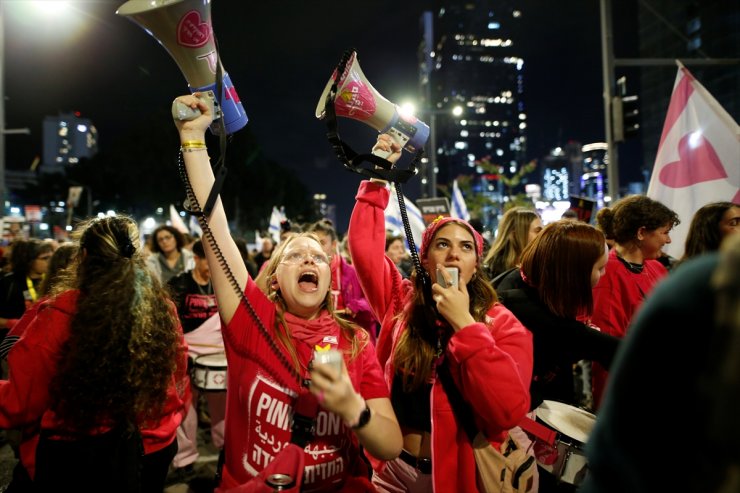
x=67, y=138
x=473, y=63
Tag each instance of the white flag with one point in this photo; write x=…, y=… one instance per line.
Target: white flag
x=698, y=159
x=394, y=222
x=176, y=221
x=276, y=218
x=195, y=228
x=459, y=209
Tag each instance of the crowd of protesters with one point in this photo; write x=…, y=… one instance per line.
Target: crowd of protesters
x=102, y=339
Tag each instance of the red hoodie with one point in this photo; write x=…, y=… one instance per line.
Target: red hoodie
x=24, y=397
x=490, y=362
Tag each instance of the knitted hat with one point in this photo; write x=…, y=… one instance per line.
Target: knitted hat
x=442, y=221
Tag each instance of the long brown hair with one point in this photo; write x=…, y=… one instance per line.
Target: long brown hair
x=512, y=237
x=417, y=345
x=558, y=264
x=353, y=333
x=704, y=233
x=123, y=345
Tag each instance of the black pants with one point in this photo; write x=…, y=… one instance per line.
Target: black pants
x=21, y=482
x=155, y=467
x=110, y=462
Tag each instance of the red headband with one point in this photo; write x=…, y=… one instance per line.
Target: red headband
x=442, y=221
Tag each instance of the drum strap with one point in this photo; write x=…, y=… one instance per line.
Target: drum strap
x=540, y=431
x=465, y=416
x=463, y=411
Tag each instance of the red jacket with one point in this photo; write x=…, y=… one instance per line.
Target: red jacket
x=24, y=397
x=617, y=297
x=490, y=362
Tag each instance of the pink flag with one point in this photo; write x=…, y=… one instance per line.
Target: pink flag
x=698, y=159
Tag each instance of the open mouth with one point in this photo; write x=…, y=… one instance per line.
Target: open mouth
x=308, y=281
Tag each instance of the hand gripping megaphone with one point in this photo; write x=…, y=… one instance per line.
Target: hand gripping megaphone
x=356, y=98
x=183, y=28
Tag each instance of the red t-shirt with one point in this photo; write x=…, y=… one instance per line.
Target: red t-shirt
x=617, y=297
x=262, y=392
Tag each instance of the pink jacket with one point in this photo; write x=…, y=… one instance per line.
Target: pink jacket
x=490, y=362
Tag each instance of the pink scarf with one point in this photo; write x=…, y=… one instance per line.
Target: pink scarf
x=320, y=331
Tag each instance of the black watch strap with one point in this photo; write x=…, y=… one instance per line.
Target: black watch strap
x=364, y=418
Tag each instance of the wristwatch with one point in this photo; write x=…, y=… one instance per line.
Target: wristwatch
x=362, y=419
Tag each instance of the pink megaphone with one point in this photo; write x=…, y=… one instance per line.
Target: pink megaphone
x=356, y=98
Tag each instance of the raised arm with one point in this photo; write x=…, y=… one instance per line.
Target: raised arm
x=201, y=178
x=366, y=237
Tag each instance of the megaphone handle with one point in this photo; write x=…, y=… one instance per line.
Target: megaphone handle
x=400, y=138
x=382, y=154
x=183, y=112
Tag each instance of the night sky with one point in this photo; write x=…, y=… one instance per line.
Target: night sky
x=280, y=55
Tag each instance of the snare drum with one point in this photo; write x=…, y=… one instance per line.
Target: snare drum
x=573, y=426
x=209, y=372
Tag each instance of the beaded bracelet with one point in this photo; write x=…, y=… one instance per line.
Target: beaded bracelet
x=192, y=146
x=192, y=149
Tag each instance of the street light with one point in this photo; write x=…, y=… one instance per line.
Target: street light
x=52, y=11
x=429, y=178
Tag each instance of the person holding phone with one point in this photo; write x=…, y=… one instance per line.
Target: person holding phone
x=271, y=326
x=463, y=327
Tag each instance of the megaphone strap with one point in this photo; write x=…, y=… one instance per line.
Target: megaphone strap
x=352, y=160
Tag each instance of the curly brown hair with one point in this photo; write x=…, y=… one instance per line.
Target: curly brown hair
x=123, y=345
x=622, y=220
x=179, y=238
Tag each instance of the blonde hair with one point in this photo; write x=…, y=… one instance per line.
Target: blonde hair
x=512, y=237
x=353, y=333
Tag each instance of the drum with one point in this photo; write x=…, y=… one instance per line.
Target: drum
x=567, y=460
x=209, y=372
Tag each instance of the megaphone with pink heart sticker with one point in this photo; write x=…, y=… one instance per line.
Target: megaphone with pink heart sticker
x=184, y=29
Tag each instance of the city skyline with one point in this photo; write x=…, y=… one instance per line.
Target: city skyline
x=118, y=71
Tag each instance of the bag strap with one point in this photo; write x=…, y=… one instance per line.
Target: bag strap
x=466, y=418
x=497, y=280
x=462, y=410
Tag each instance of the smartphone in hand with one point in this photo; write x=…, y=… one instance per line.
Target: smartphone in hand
x=453, y=272
x=332, y=357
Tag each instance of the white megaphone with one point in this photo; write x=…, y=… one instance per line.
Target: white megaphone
x=183, y=28
x=356, y=98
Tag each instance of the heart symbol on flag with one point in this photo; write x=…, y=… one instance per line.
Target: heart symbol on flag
x=697, y=162
x=192, y=32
